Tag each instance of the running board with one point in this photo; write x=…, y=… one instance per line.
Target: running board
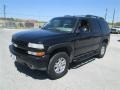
x=85, y=56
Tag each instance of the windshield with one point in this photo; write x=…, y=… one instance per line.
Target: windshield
x=61, y=24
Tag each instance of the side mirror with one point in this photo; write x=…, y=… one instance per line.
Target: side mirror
x=79, y=30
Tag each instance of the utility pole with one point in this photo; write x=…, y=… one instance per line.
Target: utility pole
x=106, y=11
x=113, y=18
x=4, y=11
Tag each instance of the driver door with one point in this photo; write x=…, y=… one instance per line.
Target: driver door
x=84, y=40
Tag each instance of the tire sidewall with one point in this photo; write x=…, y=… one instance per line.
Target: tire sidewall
x=102, y=55
x=53, y=60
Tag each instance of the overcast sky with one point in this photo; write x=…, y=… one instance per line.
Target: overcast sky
x=47, y=9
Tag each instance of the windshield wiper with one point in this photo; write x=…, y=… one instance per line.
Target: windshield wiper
x=55, y=29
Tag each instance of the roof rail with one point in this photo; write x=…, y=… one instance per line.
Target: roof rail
x=88, y=16
x=67, y=16
x=92, y=16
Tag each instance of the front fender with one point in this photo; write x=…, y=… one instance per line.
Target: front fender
x=68, y=45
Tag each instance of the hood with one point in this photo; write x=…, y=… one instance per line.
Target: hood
x=35, y=36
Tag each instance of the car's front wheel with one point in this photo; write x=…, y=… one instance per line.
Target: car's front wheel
x=58, y=65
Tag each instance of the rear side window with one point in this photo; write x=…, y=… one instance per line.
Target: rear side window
x=95, y=27
x=104, y=26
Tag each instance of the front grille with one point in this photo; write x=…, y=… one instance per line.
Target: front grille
x=19, y=50
x=20, y=43
x=21, y=46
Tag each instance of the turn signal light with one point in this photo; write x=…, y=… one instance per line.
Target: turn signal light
x=40, y=53
x=36, y=53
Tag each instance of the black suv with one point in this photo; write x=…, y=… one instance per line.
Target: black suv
x=60, y=42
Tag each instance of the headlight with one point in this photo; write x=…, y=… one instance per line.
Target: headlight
x=38, y=46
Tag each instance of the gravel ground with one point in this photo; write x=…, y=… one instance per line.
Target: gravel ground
x=99, y=74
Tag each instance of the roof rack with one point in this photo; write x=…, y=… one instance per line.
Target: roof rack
x=88, y=16
x=67, y=16
x=92, y=16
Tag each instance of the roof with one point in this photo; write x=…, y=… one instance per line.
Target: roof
x=85, y=16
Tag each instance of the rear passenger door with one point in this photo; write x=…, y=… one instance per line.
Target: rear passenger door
x=95, y=27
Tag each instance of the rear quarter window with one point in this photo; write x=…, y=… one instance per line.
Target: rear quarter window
x=104, y=26
x=95, y=26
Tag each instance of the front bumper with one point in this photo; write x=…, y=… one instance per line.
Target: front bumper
x=33, y=62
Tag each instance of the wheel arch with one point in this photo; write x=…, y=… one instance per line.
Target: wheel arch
x=105, y=41
x=66, y=47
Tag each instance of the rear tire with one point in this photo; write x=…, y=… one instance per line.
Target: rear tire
x=58, y=65
x=102, y=50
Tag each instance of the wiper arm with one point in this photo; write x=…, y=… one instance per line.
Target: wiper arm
x=54, y=29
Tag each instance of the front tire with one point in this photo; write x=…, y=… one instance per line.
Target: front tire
x=58, y=65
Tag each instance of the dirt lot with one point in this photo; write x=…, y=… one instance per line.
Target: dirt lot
x=99, y=74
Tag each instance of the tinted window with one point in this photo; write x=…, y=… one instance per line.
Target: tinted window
x=95, y=27
x=104, y=26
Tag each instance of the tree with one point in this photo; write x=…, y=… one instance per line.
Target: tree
x=117, y=24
